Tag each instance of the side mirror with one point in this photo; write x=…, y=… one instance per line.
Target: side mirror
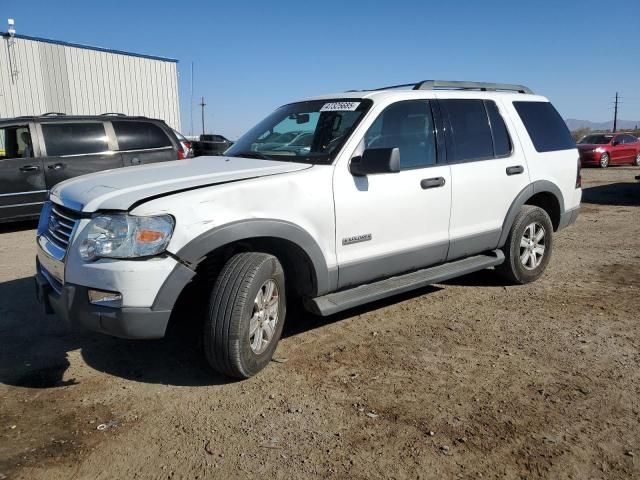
x=615, y=143
x=376, y=160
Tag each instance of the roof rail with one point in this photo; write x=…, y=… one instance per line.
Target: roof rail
x=459, y=85
x=456, y=85
x=52, y=114
x=117, y=114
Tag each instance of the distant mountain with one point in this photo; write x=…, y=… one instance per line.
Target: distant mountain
x=575, y=124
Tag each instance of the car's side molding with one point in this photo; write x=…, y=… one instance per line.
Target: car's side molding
x=525, y=194
x=195, y=251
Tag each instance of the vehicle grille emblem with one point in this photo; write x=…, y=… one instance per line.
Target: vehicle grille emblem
x=53, y=224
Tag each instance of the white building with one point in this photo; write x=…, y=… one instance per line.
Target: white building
x=38, y=75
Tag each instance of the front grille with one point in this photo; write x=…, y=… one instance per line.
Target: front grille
x=61, y=224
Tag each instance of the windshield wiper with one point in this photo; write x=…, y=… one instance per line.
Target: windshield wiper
x=251, y=154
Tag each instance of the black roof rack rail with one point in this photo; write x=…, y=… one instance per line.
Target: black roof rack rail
x=52, y=114
x=116, y=114
x=456, y=85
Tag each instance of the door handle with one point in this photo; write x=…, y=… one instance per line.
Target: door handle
x=518, y=169
x=56, y=166
x=432, y=182
x=30, y=168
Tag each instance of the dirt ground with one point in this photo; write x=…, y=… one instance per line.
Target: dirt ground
x=469, y=379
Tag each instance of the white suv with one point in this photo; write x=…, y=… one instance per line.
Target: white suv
x=394, y=189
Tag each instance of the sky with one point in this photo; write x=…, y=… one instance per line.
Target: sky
x=250, y=57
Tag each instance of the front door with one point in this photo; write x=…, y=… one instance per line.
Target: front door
x=22, y=184
x=390, y=223
x=76, y=148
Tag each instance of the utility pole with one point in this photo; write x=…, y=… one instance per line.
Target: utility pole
x=615, y=114
x=191, y=103
x=202, y=105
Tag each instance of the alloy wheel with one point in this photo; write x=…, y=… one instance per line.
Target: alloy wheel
x=532, y=246
x=262, y=325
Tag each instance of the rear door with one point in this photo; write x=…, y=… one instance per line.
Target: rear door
x=22, y=185
x=487, y=173
x=618, y=150
x=76, y=148
x=141, y=142
x=630, y=148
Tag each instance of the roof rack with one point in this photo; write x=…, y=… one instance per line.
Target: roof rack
x=458, y=85
x=52, y=114
x=115, y=114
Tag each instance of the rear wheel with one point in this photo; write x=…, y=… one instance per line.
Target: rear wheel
x=246, y=314
x=528, y=247
x=604, y=160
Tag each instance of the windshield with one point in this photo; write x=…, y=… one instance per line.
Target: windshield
x=309, y=132
x=596, y=139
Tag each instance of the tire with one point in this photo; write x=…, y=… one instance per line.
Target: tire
x=515, y=269
x=604, y=160
x=229, y=346
x=637, y=162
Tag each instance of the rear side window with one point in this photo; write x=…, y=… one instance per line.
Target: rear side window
x=74, y=138
x=140, y=135
x=545, y=126
x=469, y=133
x=501, y=140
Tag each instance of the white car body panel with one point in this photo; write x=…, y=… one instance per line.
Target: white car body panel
x=119, y=189
x=326, y=201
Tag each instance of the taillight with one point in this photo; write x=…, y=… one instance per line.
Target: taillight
x=579, y=174
x=185, y=151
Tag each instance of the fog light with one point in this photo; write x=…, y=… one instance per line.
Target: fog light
x=105, y=299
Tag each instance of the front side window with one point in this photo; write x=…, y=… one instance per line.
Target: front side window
x=74, y=138
x=15, y=142
x=545, y=126
x=469, y=131
x=309, y=132
x=408, y=126
x=140, y=135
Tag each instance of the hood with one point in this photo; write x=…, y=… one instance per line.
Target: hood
x=121, y=188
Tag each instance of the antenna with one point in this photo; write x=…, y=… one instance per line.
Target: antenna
x=12, y=27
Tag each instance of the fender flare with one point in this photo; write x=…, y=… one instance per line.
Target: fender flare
x=525, y=194
x=198, y=248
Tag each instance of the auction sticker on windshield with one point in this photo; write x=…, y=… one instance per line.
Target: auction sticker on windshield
x=340, y=107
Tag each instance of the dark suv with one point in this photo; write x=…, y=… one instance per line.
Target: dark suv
x=38, y=152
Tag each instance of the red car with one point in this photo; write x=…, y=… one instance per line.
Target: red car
x=604, y=149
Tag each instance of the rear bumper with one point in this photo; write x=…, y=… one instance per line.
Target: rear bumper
x=568, y=218
x=71, y=304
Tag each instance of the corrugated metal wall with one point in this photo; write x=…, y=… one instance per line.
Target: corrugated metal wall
x=38, y=77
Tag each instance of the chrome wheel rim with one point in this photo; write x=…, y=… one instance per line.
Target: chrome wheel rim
x=264, y=318
x=604, y=160
x=532, y=246
x=638, y=160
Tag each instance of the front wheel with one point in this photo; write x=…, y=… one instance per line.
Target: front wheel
x=528, y=247
x=637, y=162
x=604, y=160
x=246, y=314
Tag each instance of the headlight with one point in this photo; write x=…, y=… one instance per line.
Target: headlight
x=126, y=236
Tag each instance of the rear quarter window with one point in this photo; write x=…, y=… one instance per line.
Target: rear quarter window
x=140, y=135
x=545, y=126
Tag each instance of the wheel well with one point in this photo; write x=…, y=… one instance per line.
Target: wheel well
x=298, y=269
x=549, y=203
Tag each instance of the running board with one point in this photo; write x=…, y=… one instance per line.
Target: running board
x=345, y=299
